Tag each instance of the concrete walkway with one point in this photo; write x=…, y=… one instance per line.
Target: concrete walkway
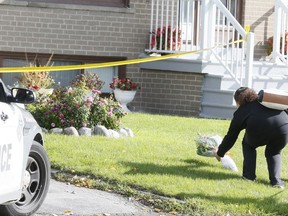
x=65, y=199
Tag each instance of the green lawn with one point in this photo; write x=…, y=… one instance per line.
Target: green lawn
x=162, y=159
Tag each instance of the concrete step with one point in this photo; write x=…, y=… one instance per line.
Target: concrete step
x=217, y=96
x=212, y=110
x=212, y=81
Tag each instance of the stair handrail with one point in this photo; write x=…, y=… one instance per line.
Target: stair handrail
x=239, y=67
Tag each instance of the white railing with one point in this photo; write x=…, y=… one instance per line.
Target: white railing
x=198, y=25
x=233, y=46
x=280, y=35
x=165, y=34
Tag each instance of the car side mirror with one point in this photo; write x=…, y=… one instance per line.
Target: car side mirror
x=22, y=95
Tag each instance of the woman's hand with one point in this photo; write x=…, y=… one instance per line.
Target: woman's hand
x=216, y=155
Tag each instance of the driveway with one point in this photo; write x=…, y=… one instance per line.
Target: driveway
x=65, y=199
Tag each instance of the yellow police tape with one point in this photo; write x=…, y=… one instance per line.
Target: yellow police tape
x=104, y=64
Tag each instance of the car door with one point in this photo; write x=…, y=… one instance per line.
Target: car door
x=11, y=149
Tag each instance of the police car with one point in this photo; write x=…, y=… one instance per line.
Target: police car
x=24, y=164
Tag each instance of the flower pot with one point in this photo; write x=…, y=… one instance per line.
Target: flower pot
x=124, y=97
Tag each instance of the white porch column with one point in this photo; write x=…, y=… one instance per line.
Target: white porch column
x=249, y=60
x=206, y=10
x=277, y=32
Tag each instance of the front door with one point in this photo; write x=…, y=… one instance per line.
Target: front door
x=190, y=14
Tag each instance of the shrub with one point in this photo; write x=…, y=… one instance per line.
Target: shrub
x=76, y=107
x=36, y=80
x=87, y=81
x=106, y=112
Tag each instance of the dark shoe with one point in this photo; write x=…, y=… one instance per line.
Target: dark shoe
x=247, y=179
x=279, y=186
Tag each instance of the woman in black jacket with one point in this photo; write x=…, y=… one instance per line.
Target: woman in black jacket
x=263, y=127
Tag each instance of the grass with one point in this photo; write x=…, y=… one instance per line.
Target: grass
x=162, y=160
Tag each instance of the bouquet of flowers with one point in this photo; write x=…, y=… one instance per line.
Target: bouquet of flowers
x=207, y=145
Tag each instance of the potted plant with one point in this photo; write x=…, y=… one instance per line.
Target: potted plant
x=124, y=91
x=159, y=38
x=283, y=49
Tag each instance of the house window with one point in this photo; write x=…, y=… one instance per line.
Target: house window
x=62, y=78
x=106, y=3
x=235, y=8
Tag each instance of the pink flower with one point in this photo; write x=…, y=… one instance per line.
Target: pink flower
x=61, y=115
x=53, y=125
x=96, y=91
x=89, y=100
x=110, y=113
x=105, y=102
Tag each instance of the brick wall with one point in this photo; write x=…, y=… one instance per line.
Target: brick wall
x=92, y=31
x=169, y=92
x=260, y=16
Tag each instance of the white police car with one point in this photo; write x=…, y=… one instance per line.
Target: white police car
x=24, y=164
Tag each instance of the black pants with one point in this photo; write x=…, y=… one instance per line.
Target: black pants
x=273, y=158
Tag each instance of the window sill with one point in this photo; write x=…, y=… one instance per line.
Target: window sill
x=67, y=6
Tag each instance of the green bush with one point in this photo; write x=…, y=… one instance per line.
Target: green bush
x=107, y=112
x=76, y=107
x=87, y=80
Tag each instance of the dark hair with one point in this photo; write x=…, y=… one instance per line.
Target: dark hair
x=244, y=95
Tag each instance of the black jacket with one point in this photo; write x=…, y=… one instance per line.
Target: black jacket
x=261, y=124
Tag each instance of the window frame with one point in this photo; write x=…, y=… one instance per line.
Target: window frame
x=60, y=57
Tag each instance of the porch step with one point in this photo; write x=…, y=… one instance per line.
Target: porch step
x=216, y=111
x=217, y=96
x=212, y=81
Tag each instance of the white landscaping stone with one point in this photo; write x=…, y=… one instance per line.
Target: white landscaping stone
x=56, y=131
x=84, y=131
x=123, y=132
x=129, y=132
x=113, y=133
x=101, y=130
x=98, y=130
x=71, y=131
